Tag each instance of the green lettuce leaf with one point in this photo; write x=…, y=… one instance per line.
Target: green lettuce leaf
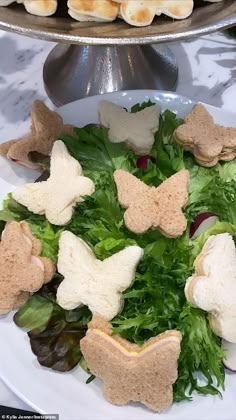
x=47, y=234
x=169, y=156
x=152, y=176
x=200, y=352
x=227, y=171
x=58, y=345
x=212, y=189
x=96, y=153
x=16, y=211
x=110, y=246
x=220, y=227
x=6, y=216
x=34, y=314
x=139, y=107
x=155, y=300
x=54, y=334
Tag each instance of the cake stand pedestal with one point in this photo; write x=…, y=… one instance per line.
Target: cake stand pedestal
x=94, y=58
x=73, y=72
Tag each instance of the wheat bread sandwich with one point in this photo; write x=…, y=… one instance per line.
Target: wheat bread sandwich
x=22, y=269
x=130, y=372
x=46, y=127
x=150, y=207
x=209, y=142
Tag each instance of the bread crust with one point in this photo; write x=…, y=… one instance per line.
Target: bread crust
x=22, y=270
x=46, y=128
x=149, y=207
x=129, y=372
x=209, y=142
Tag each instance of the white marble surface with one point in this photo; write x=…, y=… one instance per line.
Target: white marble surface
x=207, y=72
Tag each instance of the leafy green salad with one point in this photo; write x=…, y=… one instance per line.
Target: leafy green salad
x=156, y=301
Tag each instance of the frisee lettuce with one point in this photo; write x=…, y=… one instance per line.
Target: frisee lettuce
x=156, y=301
x=48, y=234
x=201, y=352
x=219, y=227
x=169, y=156
x=212, y=189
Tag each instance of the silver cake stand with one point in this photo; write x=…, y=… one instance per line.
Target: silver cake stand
x=93, y=58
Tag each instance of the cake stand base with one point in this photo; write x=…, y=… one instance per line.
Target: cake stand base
x=73, y=72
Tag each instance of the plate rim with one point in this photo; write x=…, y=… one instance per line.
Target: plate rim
x=51, y=34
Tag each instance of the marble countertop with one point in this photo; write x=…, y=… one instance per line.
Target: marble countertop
x=207, y=72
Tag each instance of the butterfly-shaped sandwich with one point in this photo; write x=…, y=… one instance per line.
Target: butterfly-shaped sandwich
x=208, y=141
x=92, y=282
x=130, y=372
x=135, y=129
x=150, y=207
x=46, y=127
x=22, y=269
x=57, y=196
x=142, y=13
x=93, y=10
x=35, y=7
x=212, y=287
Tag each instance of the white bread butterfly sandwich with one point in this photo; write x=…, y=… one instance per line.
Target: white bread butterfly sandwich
x=142, y=13
x=212, y=287
x=35, y=7
x=134, y=12
x=93, y=10
x=130, y=372
x=89, y=281
x=57, y=196
x=150, y=207
x=135, y=129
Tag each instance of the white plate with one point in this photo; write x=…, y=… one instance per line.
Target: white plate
x=67, y=394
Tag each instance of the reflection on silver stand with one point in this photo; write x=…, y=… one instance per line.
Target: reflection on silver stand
x=100, y=57
x=72, y=72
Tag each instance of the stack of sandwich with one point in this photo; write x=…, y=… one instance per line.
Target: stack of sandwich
x=134, y=12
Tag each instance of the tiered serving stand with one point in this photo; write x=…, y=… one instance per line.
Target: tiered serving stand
x=94, y=58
